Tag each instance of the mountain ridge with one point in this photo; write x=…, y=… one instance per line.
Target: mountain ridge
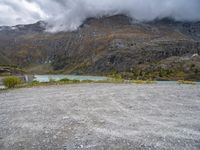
x=113, y=44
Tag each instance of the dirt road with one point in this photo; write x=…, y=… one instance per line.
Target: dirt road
x=101, y=116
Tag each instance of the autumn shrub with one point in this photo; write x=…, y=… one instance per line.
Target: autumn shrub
x=11, y=81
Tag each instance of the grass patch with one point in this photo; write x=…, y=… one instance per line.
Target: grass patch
x=186, y=82
x=11, y=82
x=68, y=81
x=143, y=81
x=53, y=82
x=65, y=80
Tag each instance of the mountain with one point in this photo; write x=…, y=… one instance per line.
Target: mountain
x=161, y=49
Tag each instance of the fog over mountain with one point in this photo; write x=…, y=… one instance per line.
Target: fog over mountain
x=63, y=15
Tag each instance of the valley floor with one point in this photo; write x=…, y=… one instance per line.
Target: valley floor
x=101, y=116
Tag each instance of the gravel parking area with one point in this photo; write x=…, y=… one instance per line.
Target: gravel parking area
x=101, y=116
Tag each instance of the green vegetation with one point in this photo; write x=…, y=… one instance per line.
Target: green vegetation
x=11, y=82
x=143, y=82
x=121, y=78
x=186, y=82
x=15, y=82
x=68, y=81
x=158, y=73
x=153, y=74
x=115, y=77
x=65, y=80
x=34, y=83
x=54, y=82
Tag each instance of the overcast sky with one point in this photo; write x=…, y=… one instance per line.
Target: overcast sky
x=69, y=14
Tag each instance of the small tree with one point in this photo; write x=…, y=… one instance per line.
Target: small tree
x=11, y=82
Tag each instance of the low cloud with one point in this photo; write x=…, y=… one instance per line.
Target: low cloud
x=69, y=14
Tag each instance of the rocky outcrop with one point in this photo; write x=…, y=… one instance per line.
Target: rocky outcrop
x=9, y=70
x=102, y=45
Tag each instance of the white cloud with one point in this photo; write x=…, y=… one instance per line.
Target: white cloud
x=14, y=12
x=69, y=14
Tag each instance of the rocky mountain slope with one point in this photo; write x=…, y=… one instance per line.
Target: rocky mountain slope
x=162, y=49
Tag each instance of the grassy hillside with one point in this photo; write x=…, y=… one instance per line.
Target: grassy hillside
x=4, y=60
x=108, y=45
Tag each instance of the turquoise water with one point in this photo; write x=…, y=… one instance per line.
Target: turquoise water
x=2, y=87
x=47, y=78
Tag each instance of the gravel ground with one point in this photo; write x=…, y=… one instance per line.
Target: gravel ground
x=101, y=116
